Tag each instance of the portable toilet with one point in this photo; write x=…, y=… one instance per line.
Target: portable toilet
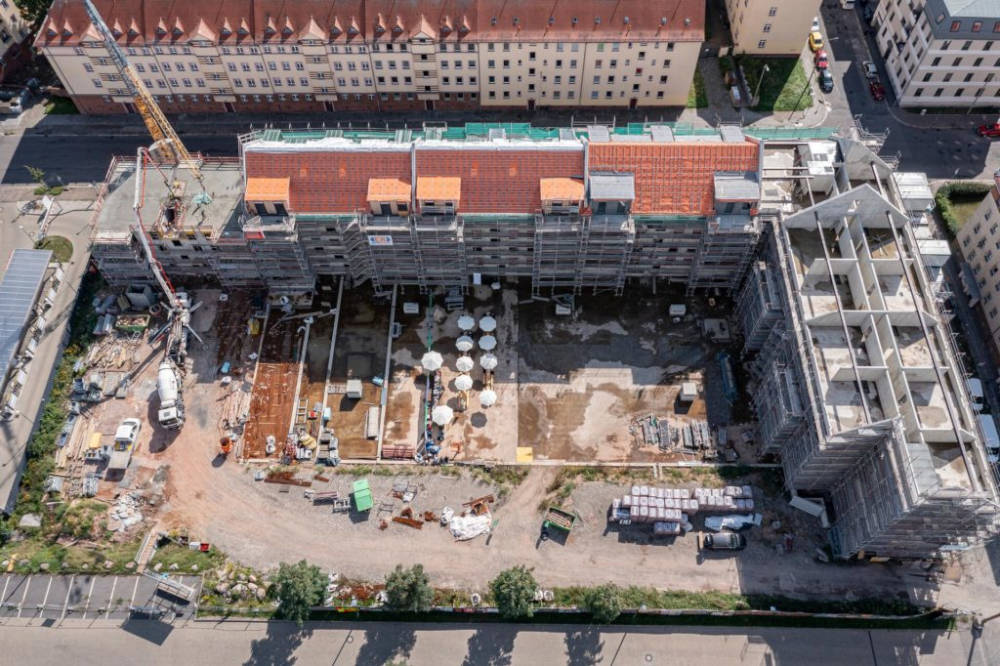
x=354, y=389
x=362, y=495
x=689, y=392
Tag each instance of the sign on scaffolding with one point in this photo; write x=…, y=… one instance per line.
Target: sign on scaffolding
x=379, y=240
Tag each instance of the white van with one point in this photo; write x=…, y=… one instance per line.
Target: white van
x=991, y=440
x=975, y=392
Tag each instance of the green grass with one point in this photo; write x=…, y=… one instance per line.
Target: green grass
x=60, y=106
x=62, y=248
x=504, y=478
x=697, y=95
x=785, y=86
x=185, y=558
x=30, y=554
x=957, y=201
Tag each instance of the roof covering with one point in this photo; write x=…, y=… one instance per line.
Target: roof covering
x=242, y=22
x=439, y=188
x=612, y=187
x=267, y=189
x=674, y=178
x=561, y=189
x=18, y=292
x=389, y=189
x=730, y=186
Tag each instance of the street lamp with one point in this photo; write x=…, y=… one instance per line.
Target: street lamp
x=756, y=92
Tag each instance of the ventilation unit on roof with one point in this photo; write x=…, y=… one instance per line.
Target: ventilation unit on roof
x=552, y=20
x=516, y=21
x=493, y=21
x=626, y=20
x=575, y=20
x=687, y=21
x=663, y=20
x=597, y=20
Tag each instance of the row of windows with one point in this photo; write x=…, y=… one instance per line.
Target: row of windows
x=959, y=92
x=947, y=76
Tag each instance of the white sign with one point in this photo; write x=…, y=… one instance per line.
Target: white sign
x=380, y=240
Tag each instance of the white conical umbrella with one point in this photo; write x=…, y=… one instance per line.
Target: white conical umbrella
x=466, y=323
x=465, y=363
x=487, y=342
x=487, y=398
x=442, y=415
x=463, y=382
x=465, y=343
x=432, y=361
x=487, y=324
x=489, y=361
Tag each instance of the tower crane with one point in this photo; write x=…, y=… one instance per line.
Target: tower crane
x=165, y=139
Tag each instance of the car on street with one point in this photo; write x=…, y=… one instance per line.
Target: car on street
x=815, y=41
x=825, y=80
x=724, y=541
x=877, y=90
x=990, y=130
x=869, y=69
x=822, y=60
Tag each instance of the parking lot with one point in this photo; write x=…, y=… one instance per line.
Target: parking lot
x=88, y=597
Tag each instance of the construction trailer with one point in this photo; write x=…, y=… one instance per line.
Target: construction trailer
x=856, y=383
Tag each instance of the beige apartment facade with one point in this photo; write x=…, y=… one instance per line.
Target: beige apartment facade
x=315, y=56
x=979, y=240
x=941, y=53
x=770, y=27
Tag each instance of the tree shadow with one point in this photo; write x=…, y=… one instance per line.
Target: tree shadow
x=278, y=646
x=491, y=646
x=385, y=643
x=583, y=647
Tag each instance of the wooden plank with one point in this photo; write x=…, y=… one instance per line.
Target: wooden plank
x=408, y=521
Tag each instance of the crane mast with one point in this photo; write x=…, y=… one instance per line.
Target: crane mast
x=164, y=136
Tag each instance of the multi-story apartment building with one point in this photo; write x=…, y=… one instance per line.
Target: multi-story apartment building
x=312, y=55
x=13, y=31
x=941, y=53
x=979, y=239
x=770, y=27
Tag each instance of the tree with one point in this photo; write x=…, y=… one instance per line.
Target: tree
x=514, y=592
x=409, y=589
x=299, y=587
x=604, y=602
x=33, y=11
x=37, y=175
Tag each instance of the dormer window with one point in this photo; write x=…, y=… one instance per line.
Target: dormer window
x=439, y=195
x=267, y=196
x=612, y=193
x=389, y=196
x=561, y=196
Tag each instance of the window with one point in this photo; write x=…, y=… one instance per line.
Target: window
x=299, y=67
x=245, y=66
x=180, y=67
x=594, y=94
x=761, y=44
x=977, y=26
x=936, y=61
x=957, y=62
x=597, y=80
x=937, y=93
x=927, y=77
x=956, y=26
x=186, y=82
x=97, y=83
x=87, y=67
x=767, y=27
x=918, y=92
x=772, y=11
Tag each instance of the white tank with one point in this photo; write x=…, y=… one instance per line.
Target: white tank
x=166, y=385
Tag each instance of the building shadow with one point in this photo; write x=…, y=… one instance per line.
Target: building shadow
x=491, y=646
x=385, y=643
x=278, y=646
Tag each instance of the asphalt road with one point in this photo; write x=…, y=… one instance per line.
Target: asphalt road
x=255, y=644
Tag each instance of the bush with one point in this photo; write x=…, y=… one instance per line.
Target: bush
x=603, y=602
x=300, y=587
x=514, y=592
x=409, y=589
x=950, y=193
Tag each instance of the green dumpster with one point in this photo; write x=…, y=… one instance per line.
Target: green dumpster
x=362, y=495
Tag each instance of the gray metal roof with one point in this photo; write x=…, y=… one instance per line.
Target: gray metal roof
x=598, y=133
x=977, y=8
x=731, y=134
x=18, y=292
x=737, y=186
x=662, y=134
x=612, y=187
x=966, y=12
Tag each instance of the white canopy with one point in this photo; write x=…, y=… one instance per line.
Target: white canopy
x=463, y=382
x=465, y=343
x=487, y=342
x=465, y=363
x=487, y=324
x=442, y=415
x=489, y=361
x=466, y=323
x=487, y=398
x=432, y=361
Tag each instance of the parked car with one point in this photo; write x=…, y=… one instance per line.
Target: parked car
x=124, y=444
x=724, y=541
x=992, y=131
x=869, y=69
x=877, y=90
x=822, y=60
x=825, y=80
x=815, y=41
x=13, y=99
x=815, y=25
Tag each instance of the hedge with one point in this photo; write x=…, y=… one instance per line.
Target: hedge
x=961, y=189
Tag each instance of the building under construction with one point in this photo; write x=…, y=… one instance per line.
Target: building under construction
x=569, y=209
x=857, y=387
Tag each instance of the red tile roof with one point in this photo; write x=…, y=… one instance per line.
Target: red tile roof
x=674, y=178
x=328, y=182
x=501, y=181
x=138, y=22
